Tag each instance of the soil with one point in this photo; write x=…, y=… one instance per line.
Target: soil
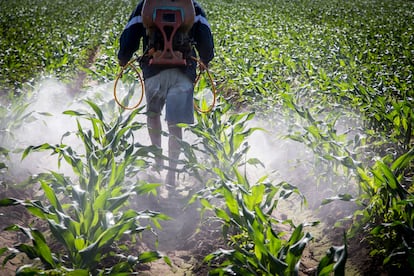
x=187, y=239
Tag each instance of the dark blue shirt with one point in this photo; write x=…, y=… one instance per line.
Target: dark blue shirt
x=200, y=34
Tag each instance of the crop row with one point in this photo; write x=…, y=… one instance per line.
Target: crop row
x=57, y=38
x=339, y=73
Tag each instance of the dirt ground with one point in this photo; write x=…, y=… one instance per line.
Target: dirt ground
x=186, y=241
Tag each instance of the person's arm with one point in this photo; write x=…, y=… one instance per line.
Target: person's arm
x=203, y=36
x=130, y=37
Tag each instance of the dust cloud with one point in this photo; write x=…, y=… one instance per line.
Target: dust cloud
x=284, y=160
x=289, y=161
x=46, y=123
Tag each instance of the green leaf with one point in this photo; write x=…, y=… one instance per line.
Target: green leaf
x=77, y=272
x=116, y=202
x=220, y=213
x=79, y=196
x=296, y=235
x=73, y=113
x=390, y=177
x=2, y=250
x=277, y=266
x=28, y=270
x=79, y=243
x=42, y=147
x=63, y=235
x=403, y=161
x=297, y=248
x=89, y=255
x=255, y=162
x=343, y=197
x=44, y=251
x=38, y=210
x=50, y=194
x=9, y=202
x=30, y=251
x=147, y=257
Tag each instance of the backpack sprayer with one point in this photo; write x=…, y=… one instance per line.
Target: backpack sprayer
x=168, y=23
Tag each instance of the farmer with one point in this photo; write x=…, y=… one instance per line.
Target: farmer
x=168, y=85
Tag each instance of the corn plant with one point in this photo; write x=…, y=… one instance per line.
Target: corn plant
x=388, y=210
x=246, y=211
x=220, y=143
x=385, y=203
x=87, y=214
x=249, y=227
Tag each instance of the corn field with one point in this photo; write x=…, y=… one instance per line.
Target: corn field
x=308, y=145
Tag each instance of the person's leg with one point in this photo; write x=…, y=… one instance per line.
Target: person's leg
x=154, y=131
x=174, y=149
x=179, y=109
x=155, y=95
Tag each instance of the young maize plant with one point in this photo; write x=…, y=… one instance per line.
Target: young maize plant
x=88, y=215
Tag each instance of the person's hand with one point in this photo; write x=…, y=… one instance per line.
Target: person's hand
x=122, y=63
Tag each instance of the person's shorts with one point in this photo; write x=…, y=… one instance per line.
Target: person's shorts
x=172, y=88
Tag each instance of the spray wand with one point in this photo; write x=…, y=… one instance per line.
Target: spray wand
x=120, y=74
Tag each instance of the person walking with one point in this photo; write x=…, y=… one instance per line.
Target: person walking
x=169, y=85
